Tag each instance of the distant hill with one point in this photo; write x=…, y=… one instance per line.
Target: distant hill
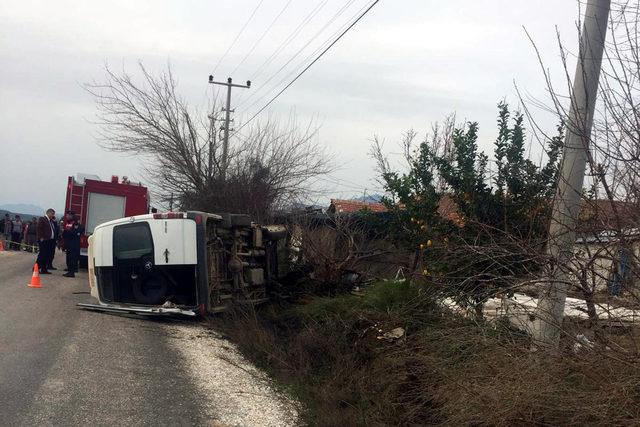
x=24, y=216
x=373, y=198
x=22, y=208
x=26, y=211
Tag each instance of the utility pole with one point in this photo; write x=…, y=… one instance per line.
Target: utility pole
x=212, y=137
x=227, y=121
x=567, y=203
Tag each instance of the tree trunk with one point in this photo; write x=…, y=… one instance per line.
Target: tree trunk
x=417, y=261
x=478, y=308
x=591, y=307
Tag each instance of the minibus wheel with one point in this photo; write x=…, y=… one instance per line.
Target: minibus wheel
x=152, y=290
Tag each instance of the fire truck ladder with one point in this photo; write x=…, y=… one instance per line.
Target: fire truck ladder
x=73, y=204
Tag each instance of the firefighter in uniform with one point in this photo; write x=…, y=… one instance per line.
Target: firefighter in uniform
x=71, y=232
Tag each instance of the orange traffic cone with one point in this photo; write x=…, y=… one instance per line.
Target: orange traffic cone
x=35, y=277
x=1, y=246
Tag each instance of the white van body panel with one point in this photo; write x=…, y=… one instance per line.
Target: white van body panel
x=93, y=280
x=174, y=240
x=101, y=244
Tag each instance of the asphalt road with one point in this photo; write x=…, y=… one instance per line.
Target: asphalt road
x=60, y=365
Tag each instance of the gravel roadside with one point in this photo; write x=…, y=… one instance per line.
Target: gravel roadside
x=238, y=393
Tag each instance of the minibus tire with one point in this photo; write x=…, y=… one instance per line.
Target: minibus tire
x=151, y=290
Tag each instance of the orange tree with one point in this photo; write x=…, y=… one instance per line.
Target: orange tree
x=488, y=239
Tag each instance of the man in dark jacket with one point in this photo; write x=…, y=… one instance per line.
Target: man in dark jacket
x=45, y=234
x=31, y=239
x=52, y=248
x=71, y=232
x=7, y=225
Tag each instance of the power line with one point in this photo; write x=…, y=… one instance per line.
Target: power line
x=262, y=36
x=329, y=178
x=305, y=60
x=280, y=48
x=295, y=55
x=342, y=180
x=349, y=185
x=311, y=64
x=339, y=184
x=237, y=37
x=288, y=40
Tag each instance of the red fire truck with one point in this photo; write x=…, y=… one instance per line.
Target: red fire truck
x=96, y=201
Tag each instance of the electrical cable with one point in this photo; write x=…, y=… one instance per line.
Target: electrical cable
x=241, y=100
x=295, y=55
x=311, y=64
x=261, y=37
x=288, y=40
x=237, y=37
x=301, y=63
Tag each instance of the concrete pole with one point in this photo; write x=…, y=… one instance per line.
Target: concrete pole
x=212, y=136
x=227, y=122
x=567, y=203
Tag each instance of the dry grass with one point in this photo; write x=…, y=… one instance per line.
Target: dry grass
x=445, y=371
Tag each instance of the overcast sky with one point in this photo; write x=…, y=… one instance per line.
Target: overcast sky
x=407, y=64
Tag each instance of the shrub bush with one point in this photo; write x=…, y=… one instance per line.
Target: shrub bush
x=445, y=370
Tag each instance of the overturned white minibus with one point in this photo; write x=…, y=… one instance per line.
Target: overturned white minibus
x=181, y=263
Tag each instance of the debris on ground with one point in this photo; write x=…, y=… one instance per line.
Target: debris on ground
x=582, y=343
x=392, y=335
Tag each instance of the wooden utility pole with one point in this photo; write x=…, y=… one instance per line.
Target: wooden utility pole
x=227, y=121
x=567, y=203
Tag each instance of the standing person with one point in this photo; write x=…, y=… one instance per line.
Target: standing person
x=30, y=237
x=71, y=232
x=45, y=234
x=8, y=225
x=23, y=235
x=16, y=232
x=52, y=247
x=2, y=227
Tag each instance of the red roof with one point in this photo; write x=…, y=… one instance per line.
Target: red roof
x=448, y=209
x=597, y=215
x=353, y=206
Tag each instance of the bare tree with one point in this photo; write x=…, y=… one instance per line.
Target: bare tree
x=336, y=249
x=439, y=140
x=268, y=167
